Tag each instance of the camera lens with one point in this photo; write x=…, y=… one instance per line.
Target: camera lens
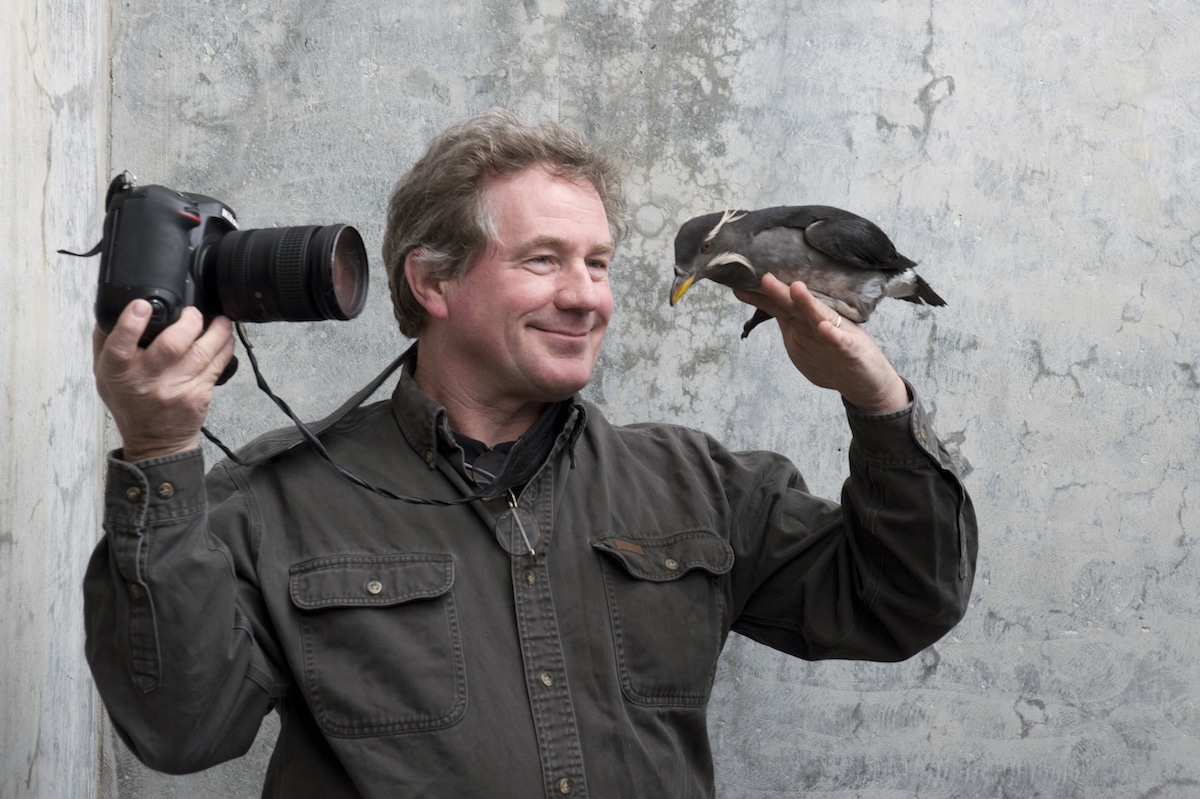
x=348, y=265
x=293, y=274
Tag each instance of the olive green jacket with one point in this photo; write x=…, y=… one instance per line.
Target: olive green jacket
x=409, y=655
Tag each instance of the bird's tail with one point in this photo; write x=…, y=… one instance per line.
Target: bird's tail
x=923, y=292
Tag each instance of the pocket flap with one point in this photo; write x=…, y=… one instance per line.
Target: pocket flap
x=669, y=558
x=369, y=580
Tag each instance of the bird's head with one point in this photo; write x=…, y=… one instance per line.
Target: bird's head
x=708, y=247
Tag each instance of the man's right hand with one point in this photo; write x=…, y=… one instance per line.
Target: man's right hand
x=159, y=396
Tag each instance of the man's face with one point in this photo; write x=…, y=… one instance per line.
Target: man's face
x=529, y=317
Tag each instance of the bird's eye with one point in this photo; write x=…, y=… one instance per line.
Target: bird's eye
x=706, y=247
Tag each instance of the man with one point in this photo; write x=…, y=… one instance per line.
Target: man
x=559, y=639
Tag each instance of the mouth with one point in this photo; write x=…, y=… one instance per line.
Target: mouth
x=680, y=287
x=567, y=334
x=571, y=334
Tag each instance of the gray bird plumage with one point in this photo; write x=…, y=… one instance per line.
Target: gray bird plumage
x=846, y=261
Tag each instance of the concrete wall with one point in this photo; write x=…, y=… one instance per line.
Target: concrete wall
x=1040, y=159
x=53, y=153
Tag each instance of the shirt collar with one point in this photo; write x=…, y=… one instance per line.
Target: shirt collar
x=423, y=423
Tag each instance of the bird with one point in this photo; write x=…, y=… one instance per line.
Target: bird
x=846, y=261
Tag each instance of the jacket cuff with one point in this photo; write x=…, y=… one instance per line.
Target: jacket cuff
x=168, y=487
x=899, y=438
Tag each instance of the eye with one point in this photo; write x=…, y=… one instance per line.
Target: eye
x=539, y=263
x=706, y=247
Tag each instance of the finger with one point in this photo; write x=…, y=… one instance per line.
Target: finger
x=771, y=297
x=122, y=341
x=112, y=353
x=98, y=340
x=797, y=299
x=781, y=292
x=173, y=343
x=823, y=318
x=754, y=298
x=797, y=303
x=219, y=331
x=214, y=349
x=806, y=303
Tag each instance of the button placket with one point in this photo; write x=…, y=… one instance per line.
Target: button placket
x=551, y=708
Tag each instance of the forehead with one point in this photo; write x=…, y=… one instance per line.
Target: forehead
x=537, y=202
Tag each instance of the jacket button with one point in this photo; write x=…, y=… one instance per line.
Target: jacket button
x=530, y=579
x=671, y=564
x=165, y=491
x=547, y=678
x=133, y=493
x=374, y=588
x=564, y=786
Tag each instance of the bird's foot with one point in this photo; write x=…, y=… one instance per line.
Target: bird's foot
x=759, y=317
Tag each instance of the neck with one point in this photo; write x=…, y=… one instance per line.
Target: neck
x=489, y=425
x=490, y=419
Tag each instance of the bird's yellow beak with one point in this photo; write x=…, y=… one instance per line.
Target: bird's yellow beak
x=680, y=287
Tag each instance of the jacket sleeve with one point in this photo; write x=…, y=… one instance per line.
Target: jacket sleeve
x=176, y=639
x=881, y=576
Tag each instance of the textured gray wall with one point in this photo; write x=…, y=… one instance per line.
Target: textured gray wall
x=53, y=151
x=1040, y=159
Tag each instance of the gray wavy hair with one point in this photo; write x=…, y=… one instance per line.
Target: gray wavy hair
x=438, y=209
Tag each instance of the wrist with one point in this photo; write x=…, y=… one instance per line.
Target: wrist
x=144, y=451
x=891, y=397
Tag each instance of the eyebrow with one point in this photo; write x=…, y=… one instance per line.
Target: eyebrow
x=554, y=242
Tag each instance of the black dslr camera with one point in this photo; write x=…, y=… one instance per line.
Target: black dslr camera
x=175, y=249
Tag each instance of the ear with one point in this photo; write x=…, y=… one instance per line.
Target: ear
x=429, y=291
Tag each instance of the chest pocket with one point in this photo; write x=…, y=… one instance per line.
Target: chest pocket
x=666, y=604
x=382, y=652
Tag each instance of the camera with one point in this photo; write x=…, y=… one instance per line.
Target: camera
x=175, y=249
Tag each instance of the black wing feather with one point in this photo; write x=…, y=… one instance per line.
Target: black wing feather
x=839, y=234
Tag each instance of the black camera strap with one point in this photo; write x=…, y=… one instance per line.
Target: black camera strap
x=517, y=471
x=99, y=246
x=310, y=431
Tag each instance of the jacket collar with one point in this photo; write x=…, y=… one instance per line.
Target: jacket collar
x=423, y=423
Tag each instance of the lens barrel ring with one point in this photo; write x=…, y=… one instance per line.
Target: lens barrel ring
x=289, y=273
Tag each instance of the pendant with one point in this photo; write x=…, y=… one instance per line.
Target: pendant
x=517, y=530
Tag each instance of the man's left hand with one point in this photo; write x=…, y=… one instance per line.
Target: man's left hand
x=828, y=349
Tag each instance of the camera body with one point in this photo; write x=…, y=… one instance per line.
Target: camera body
x=175, y=249
x=156, y=242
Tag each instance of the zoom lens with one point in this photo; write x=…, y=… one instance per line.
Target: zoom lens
x=292, y=274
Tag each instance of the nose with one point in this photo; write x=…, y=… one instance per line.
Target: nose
x=582, y=288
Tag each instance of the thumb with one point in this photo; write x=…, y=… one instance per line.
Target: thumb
x=121, y=344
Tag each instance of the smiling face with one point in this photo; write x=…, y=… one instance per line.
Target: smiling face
x=524, y=325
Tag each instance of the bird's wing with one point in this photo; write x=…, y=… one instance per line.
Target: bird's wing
x=844, y=236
